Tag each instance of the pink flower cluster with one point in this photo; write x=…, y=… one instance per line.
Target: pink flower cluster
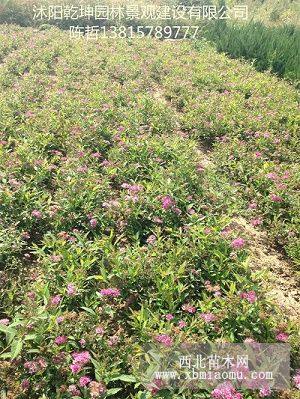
x=296, y=379
x=238, y=243
x=264, y=392
x=168, y=202
x=84, y=381
x=33, y=366
x=164, y=339
x=256, y=222
x=151, y=239
x=182, y=324
x=36, y=214
x=156, y=385
x=250, y=296
x=188, y=308
x=93, y=223
x=112, y=292
x=61, y=339
x=71, y=290
x=282, y=337
x=276, y=198
x=133, y=188
x=208, y=317
x=226, y=391
x=79, y=360
x=55, y=300
x=97, y=389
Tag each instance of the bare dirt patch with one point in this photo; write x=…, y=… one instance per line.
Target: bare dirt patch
x=282, y=284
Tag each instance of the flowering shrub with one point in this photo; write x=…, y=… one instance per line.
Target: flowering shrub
x=114, y=232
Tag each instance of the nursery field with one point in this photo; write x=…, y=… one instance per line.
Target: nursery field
x=149, y=192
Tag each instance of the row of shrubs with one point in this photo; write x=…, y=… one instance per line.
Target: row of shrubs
x=270, y=48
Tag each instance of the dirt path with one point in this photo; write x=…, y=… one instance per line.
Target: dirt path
x=281, y=283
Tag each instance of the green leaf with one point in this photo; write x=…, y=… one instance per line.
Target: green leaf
x=89, y=310
x=16, y=348
x=112, y=391
x=6, y=329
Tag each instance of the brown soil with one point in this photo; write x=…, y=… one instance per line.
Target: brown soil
x=281, y=283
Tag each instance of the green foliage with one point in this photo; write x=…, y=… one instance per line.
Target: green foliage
x=270, y=48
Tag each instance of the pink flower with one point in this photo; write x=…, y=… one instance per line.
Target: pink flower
x=55, y=300
x=25, y=235
x=96, y=389
x=167, y=202
x=155, y=386
x=32, y=367
x=256, y=222
x=82, y=342
x=252, y=205
x=296, y=379
x=225, y=391
x=282, y=337
x=112, y=292
x=96, y=155
x=276, y=198
x=55, y=258
x=75, y=368
x=4, y=322
x=177, y=210
x=151, y=239
x=71, y=290
x=286, y=175
x=113, y=340
x=73, y=390
x=208, y=317
x=36, y=214
x=169, y=316
x=29, y=114
x=281, y=186
x=81, y=357
x=42, y=363
x=164, y=339
x=61, y=339
x=264, y=392
x=31, y=295
x=200, y=168
x=83, y=381
x=238, y=243
x=182, y=324
x=258, y=154
x=250, y=296
x=188, y=308
x=60, y=319
x=25, y=384
x=133, y=188
x=93, y=223
x=272, y=176
x=99, y=330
